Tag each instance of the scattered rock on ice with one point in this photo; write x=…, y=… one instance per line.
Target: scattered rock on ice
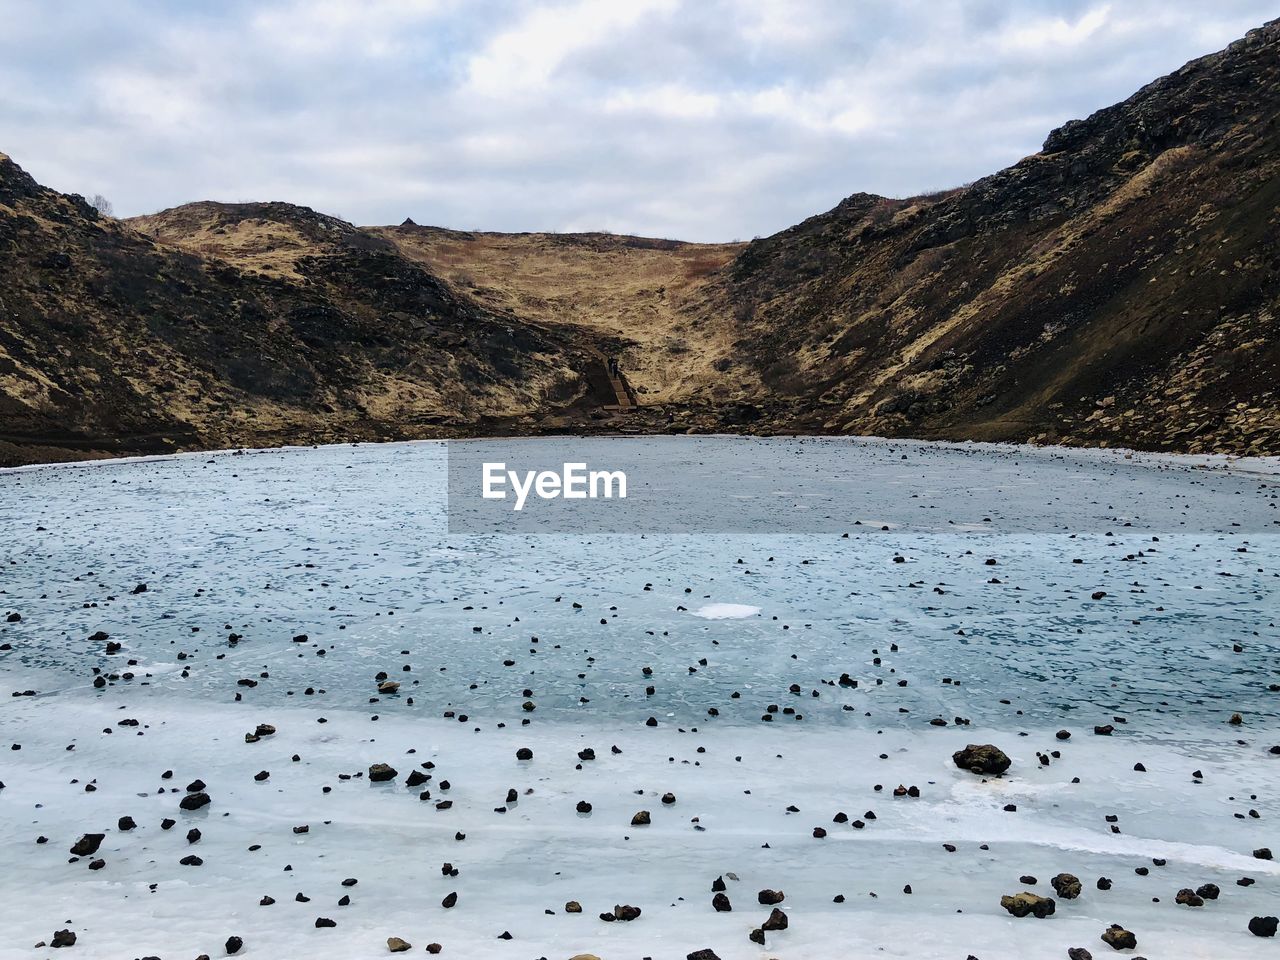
x=1263, y=926
x=67, y=938
x=982, y=758
x=194, y=801
x=1118, y=938
x=87, y=845
x=1066, y=885
x=1028, y=904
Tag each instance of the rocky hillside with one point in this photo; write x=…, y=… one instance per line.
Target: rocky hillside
x=113, y=341
x=1120, y=287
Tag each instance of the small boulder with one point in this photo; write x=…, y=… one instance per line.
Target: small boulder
x=1066, y=885
x=1028, y=904
x=982, y=758
x=777, y=921
x=1118, y=938
x=87, y=844
x=1258, y=926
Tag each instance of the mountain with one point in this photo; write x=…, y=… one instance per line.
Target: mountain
x=1120, y=287
x=112, y=341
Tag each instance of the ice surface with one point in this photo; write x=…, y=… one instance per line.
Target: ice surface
x=726, y=611
x=346, y=545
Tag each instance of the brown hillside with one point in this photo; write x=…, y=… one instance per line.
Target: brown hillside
x=111, y=341
x=1120, y=287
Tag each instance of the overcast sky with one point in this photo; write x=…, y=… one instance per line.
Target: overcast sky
x=696, y=119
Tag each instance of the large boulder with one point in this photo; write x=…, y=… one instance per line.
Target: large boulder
x=983, y=758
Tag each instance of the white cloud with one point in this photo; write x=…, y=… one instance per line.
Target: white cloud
x=702, y=119
x=1054, y=33
x=524, y=58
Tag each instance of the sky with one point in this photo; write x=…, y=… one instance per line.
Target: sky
x=691, y=119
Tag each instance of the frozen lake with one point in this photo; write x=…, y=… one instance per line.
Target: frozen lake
x=965, y=594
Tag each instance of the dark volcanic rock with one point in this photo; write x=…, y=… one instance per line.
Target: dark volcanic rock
x=1263, y=926
x=777, y=921
x=982, y=758
x=1028, y=904
x=1118, y=938
x=1066, y=885
x=88, y=844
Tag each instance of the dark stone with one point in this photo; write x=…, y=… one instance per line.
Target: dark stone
x=88, y=844
x=1118, y=938
x=1066, y=885
x=1263, y=926
x=1028, y=904
x=1188, y=898
x=777, y=921
x=982, y=758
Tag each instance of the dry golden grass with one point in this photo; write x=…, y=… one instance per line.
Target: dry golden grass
x=640, y=292
x=268, y=246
